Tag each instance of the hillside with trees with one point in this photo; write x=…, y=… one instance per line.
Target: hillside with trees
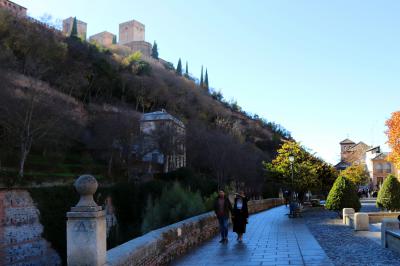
x=69, y=107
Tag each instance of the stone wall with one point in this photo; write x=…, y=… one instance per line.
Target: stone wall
x=21, y=242
x=377, y=217
x=393, y=240
x=161, y=246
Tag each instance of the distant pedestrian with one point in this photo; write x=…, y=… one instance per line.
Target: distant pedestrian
x=286, y=197
x=240, y=215
x=223, y=208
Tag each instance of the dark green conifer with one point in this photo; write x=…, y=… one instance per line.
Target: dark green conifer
x=206, y=80
x=343, y=194
x=201, y=78
x=179, y=68
x=154, y=51
x=389, y=194
x=74, y=31
x=187, y=70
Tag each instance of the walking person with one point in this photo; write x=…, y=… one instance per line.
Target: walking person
x=286, y=197
x=240, y=214
x=223, y=208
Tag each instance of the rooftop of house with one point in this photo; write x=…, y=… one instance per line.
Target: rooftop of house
x=381, y=156
x=376, y=148
x=160, y=115
x=347, y=141
x=359, y=145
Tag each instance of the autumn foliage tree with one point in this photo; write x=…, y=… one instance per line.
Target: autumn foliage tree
x=310, y=173
x=393, y=133
x=356, y=173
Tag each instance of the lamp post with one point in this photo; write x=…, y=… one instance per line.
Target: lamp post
x=291, y=160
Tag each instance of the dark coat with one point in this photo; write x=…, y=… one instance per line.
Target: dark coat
x=239, y=216
x=227, y=207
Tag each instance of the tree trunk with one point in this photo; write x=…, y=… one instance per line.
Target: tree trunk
x=24, y=154
x=110, y=161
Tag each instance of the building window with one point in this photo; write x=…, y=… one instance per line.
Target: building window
x=379, y=168
x=388, y=167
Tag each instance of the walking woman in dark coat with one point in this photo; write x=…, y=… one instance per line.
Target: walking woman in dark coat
x=240, y=215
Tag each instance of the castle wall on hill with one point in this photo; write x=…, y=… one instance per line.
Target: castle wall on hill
x=14, y=8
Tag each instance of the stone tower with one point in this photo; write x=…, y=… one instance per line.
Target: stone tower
x=67, y=27
x=345, y=145
x=131, y=31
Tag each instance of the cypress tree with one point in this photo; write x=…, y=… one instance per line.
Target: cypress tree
x=74, y=31
x=114, y=41
x=343, y=194
x=187, y=70
x=389, y=194
x=179, y=68
x=154, y=51
x=206, y=80
x=201, y=78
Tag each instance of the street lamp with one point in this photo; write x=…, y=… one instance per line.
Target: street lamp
x=291, y=206
x=291, y=160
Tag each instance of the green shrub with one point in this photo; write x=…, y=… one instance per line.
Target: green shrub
x=389, y=194
x=343, y=195
x=175, y=204
x=209, y=201
x=193, y=181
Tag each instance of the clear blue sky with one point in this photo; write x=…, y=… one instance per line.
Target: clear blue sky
x=325, y=70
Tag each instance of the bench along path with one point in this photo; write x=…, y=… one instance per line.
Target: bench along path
x=271, y=239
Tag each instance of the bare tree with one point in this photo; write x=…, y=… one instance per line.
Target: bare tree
x=169, y=139
x=113, y=134
x=31, y=114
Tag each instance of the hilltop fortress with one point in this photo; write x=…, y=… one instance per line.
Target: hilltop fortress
x=131, y=35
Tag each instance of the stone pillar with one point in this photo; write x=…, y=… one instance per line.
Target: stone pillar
x=86, y=227
x=361, y=221
x=388, y=223
x=347, y=212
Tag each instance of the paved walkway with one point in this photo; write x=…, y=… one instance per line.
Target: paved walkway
x=271, y=239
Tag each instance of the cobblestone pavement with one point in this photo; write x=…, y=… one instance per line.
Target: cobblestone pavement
x=343, y=245
x=271, y=239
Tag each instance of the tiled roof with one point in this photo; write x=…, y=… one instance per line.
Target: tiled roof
x=373, y=148
x=160, y=115
x=381, y=156
x=347, y=141
x=354, y=147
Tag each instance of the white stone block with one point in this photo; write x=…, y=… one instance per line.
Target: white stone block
x=361, y=221
x=346, y=212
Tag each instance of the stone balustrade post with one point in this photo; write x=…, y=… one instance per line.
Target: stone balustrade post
x=388, y=223
x=86, y=227
x=346, y=212
x=361, y=221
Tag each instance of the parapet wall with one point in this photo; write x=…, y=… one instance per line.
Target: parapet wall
x=21, y=241
x=161, y=246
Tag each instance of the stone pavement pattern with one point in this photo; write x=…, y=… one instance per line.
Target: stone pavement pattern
x=346, y=247
x=271, y=239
